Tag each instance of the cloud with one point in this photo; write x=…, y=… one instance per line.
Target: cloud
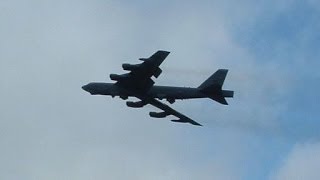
x=302, y=163
x=50, y=128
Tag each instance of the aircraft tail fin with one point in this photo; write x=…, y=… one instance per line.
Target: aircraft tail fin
x=213, y=87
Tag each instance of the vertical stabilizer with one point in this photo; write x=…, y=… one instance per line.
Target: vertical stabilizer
x=215, y=81
x=213, y=87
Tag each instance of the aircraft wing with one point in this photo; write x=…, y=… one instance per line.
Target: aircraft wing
x=167, y=110
x=139, y=77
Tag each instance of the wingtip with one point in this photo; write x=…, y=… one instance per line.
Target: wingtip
x=197, y=124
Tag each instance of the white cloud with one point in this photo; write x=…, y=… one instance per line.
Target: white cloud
x=302, y=163
x=50, y=128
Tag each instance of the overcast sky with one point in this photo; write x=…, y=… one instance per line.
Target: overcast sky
x=51, y=129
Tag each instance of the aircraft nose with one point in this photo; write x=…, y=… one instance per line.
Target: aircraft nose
x=85, y=87
x=89, y=88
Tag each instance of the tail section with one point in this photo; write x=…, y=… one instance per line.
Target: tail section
x=213, y=87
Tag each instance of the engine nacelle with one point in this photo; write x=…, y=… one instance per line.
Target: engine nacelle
x=116, y=77
x=130, y=67
x=132, y=104
x=158, y=114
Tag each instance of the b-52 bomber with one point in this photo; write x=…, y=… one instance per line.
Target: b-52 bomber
x=138, y=83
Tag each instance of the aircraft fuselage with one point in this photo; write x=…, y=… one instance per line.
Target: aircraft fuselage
x=159, y=92
x=139, y=82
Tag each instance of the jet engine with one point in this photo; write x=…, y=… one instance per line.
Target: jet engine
x=158, y=114
x=132, y=104
x=130, y=67
x=116, y=77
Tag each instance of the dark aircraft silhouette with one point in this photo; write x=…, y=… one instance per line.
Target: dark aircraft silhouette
x=138, y=83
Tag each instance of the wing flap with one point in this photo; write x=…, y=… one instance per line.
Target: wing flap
x=185, y=121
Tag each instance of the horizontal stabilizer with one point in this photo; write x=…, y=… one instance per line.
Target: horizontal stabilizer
x=219, y=99
x=221, y=96
x=227, y=93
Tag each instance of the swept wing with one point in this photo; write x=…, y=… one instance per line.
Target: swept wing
x=139, y=78
x=167, y=110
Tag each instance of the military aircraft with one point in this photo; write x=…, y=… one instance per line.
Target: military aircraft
x=138, y=83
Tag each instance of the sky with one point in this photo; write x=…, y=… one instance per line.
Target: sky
x=51, y=129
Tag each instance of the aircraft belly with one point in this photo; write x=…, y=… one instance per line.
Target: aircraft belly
x=114, y=90
x=175, y=93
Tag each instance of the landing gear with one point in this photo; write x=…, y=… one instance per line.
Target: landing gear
x=124, y=97
x=171, y=100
